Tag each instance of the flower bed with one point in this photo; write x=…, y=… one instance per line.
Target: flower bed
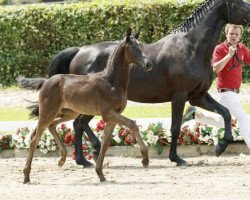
x=154, y=136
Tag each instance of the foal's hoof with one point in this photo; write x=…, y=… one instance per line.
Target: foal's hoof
x=145, y=162
x=102, y=179
x=26, y=180
x=61, y=163
x=220, y=148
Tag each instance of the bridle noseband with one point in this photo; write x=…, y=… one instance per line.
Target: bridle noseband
x=232, y=5
x=235, y=57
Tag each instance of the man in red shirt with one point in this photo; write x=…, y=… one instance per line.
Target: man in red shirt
x=227, y=63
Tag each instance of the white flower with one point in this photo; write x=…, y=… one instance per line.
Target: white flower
x=152, y=140
x=117, y=139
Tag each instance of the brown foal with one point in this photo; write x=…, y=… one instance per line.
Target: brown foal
x=64, y=97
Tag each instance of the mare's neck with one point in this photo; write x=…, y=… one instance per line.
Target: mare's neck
x=117, y=71
x=204, y=28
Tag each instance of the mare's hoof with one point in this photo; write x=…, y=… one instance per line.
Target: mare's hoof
x=87, y=164
x=229, y=138
x=84, y=163
x=181, y=163
x=26, y=180
x=220, y=148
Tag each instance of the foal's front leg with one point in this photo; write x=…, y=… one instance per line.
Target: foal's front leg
x=208, y=103
x=121, y=120
x=106, y=138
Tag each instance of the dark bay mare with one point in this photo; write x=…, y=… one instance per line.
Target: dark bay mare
x=65, y=96
x=181, y=69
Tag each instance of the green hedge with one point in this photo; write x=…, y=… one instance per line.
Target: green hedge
x=31, y=35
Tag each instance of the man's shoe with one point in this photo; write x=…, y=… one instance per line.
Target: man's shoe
x=189, y=114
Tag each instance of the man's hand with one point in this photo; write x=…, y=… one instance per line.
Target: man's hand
x=232, y=51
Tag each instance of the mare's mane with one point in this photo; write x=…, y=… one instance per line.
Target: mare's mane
x=197, y=16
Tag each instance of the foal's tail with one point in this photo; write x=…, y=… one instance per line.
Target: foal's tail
x=34, y=110
x=59, y=65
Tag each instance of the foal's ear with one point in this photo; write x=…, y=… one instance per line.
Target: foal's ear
x=128, y=34
x=137, y=35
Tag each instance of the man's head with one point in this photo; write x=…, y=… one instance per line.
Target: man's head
x=233, y=33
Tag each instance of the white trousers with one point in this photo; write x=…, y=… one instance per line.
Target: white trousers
x=231, y=101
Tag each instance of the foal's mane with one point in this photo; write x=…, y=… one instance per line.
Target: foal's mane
x=197, y=16
x=109, y=67
x=118, y=47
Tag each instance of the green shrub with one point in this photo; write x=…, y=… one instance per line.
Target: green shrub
x=31, y=35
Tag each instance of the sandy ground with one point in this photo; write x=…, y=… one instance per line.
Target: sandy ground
x=206, y=178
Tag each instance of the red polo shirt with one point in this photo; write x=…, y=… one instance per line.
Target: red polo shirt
x=230, y=78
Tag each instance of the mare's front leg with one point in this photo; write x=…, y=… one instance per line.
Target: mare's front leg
x=121, y=120
x=178, y=103
x=208, y=103
x=106, y=138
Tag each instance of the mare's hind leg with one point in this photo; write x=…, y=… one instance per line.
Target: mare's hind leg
x=106, y=138
x=121, y=120
x=178, y=103
x=66, y=116
x=36, y=136
x=208, y=103
x=82, y=124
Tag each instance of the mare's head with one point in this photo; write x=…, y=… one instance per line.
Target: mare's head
x=134, y=52
x=237, y=12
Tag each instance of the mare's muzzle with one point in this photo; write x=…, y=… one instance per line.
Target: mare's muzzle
x=148, y=64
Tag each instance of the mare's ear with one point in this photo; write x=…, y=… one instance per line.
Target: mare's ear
x=137, y=35
x=128, y=34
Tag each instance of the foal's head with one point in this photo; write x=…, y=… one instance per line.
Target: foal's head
x=134, y=53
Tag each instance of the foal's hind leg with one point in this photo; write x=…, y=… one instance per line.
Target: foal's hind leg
x=208, y=103
x=121, y=120
x=37, y=134
x=106, y=138
x=63, y=150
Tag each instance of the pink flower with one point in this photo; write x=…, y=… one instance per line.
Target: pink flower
x=84, y=147
x=89, y=156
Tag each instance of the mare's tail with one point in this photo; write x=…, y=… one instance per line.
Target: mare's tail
x=30, y=83
x=59, y=65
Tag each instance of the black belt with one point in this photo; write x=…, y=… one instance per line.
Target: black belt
x=229, y=90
